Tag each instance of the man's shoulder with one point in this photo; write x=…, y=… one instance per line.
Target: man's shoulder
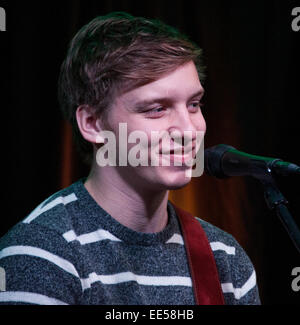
x=42, y=231
x=216, y=234
x=223, y=244
x=227, y=250
x=54, y=214
x=236, y=271
x=213, y=233
x=40, y=264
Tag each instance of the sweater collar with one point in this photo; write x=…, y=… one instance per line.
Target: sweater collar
x=100, y=218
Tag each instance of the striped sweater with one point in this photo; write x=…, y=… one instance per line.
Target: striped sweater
x=70, y=251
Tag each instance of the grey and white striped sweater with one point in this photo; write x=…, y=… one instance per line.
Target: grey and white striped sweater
x=70, y=251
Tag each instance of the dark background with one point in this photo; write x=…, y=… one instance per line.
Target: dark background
x=252, y=102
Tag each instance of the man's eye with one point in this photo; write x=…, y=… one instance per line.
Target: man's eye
x=157, y=111
x=196, y=105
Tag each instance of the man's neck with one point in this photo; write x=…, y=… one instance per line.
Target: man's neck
x=142, y=211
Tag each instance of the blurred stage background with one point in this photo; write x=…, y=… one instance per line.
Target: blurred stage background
x=251, y=102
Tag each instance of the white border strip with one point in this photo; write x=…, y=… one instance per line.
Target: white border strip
x=29, y=297
x=175, y=239
x=240, y=292
x=217, y=245
x=91, y=237
x=38, y=252
x=41, y=209
x=140, y=279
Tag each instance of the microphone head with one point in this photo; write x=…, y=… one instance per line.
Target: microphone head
x=223, y=161
x=213, y=159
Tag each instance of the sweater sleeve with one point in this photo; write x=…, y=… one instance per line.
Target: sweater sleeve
x=38, y=267
x=239, y=284
x=236, y=271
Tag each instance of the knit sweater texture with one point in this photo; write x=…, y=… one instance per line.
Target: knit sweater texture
x=70, y=251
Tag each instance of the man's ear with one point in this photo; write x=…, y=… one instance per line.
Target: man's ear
x=89, y=124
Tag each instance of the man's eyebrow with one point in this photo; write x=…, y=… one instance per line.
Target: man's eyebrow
x=198, y=93
x=141, y=104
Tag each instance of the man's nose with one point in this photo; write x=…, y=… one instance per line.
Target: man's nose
x=185, y=125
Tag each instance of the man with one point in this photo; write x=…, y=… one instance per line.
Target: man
x=114, y=238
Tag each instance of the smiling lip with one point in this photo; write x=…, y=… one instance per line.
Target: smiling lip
x=179, y=155
x=178, y=152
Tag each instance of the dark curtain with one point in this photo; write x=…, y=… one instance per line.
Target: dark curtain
x=252, y=58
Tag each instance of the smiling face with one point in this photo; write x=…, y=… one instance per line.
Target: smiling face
x=171, y=105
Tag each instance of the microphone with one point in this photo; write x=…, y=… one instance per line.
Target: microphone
x=224, y=161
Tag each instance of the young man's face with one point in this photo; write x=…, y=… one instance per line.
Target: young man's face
x=170, y=104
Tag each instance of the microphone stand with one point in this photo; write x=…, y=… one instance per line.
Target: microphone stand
x=276, y=201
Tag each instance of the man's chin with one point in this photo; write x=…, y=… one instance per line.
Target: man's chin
x=176, y=180
x=162, y=178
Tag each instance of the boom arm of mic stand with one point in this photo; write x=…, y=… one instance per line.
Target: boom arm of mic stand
x=276, y=201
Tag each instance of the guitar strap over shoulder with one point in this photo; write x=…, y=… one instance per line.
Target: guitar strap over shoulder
x=204, y=273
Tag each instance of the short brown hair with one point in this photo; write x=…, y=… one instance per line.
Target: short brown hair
x=114, y=53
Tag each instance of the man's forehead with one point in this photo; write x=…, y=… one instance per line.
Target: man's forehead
x=162, y=94
x=183, y=81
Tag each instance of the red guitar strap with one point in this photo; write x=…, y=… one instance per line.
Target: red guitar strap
x=205, y=278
